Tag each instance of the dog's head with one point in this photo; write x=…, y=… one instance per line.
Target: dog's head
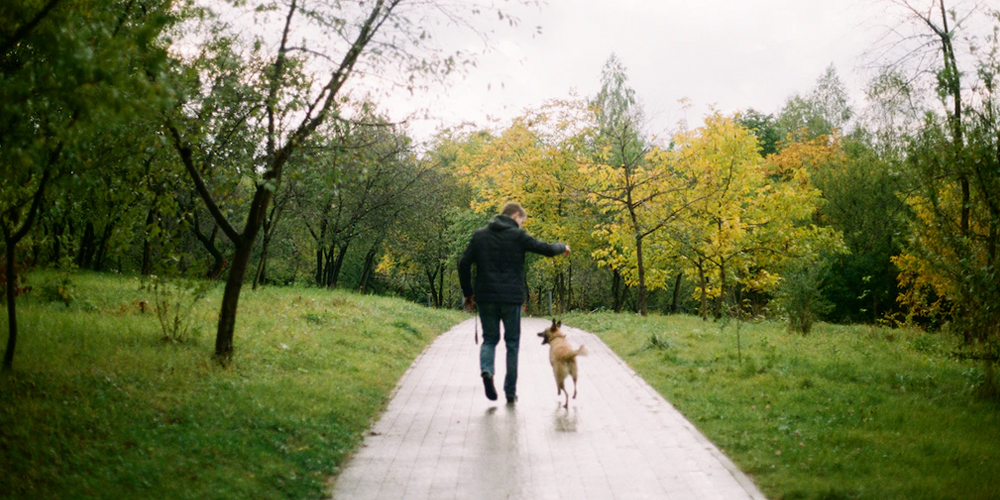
x=551, y=332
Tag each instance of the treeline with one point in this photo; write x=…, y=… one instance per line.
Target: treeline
x=158, y=138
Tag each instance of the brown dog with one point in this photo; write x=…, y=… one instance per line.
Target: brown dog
x=562, y=357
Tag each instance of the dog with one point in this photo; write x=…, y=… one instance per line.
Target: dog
x=562, y=357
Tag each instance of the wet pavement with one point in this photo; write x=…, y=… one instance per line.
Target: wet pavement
x=440, y=438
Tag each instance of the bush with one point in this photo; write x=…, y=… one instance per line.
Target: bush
x=175, y=299
x=60, y=289
x=800, y=297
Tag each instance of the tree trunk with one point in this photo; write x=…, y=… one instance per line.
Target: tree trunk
x=231, y=298
x=147, y=248
x=440, y=299
x=320, y=255
x=258, y=276
x=335, y=272
x=368, y=269
x=704, y=291
x=617, y=294
x=952, y=80
x=218, y=261
x=8, y=357
x=722, y=291
x=642, y=275
x=432, y=281
x=328, y=269
x=270, y=225
x=11, y=240
x=234, y=282
x=101, y=255
x=677, y=287
x=85, y=255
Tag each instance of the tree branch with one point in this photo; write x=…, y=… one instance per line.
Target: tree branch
x=213, y=208
x=26, y=29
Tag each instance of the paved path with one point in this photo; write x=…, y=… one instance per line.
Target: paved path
x=440, y=438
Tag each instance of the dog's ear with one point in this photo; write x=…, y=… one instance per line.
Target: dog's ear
x=559, y=324
x=554, y=323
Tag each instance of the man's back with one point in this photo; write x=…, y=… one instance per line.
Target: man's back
x=498, y=251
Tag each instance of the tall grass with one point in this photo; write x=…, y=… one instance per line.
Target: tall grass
x=100, y=405
x=848, y=412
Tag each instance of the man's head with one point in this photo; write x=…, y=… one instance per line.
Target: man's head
x=515, y=211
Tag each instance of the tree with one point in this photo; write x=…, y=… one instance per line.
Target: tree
x=634, y=194
x=936, y=29
x=534, y=161
x=748, y=218
x=861, y=189
x=824, y=111
x=765, y=128
x=66, y=69
x=358, y=186
x=948, y=266
x=286, y=101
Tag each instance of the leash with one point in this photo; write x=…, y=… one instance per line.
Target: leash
x=475, y=319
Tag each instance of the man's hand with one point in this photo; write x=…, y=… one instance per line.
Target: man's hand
x=566, y=253
x=470, y=302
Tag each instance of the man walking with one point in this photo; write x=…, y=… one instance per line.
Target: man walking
x=497, y=250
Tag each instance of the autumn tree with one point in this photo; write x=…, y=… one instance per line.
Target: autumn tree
x=947, y=269
x=535, y=161
x=747, y=218
x=633, y=193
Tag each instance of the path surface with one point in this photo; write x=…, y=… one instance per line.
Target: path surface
x=440, y=438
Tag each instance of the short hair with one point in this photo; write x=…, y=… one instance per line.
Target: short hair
x=513, y=208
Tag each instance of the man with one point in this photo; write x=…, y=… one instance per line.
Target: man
x=497, y=250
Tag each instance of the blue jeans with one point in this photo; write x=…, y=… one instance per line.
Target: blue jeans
x=491, y=314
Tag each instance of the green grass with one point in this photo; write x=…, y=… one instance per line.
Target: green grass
x=99, y=405
x=844, y=413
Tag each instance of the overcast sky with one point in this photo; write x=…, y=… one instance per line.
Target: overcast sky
x=726, y=54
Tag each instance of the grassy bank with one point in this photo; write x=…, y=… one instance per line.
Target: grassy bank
x=99, y=405
x=845, y=413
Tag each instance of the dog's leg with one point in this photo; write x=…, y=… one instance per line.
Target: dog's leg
x=572, y=372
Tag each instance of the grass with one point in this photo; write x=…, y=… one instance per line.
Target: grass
x=848, y=412
x=100, y=405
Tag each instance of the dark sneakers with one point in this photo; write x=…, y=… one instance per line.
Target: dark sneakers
x=491, y=392
x=511, y=399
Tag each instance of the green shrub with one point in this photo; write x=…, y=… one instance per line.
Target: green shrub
x=801, y=299
x=175, y=299
x=59, y=289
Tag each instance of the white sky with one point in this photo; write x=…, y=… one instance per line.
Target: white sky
x=726, y=54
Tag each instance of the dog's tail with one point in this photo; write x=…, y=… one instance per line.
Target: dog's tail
x=582, y=351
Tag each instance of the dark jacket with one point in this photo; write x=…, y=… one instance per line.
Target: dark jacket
x=497, y=251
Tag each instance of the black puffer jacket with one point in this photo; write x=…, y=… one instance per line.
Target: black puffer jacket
x=497, y=251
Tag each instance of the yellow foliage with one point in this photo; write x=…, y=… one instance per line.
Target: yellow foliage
x=929, y=266
x=794, y=162
x=748, y=215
